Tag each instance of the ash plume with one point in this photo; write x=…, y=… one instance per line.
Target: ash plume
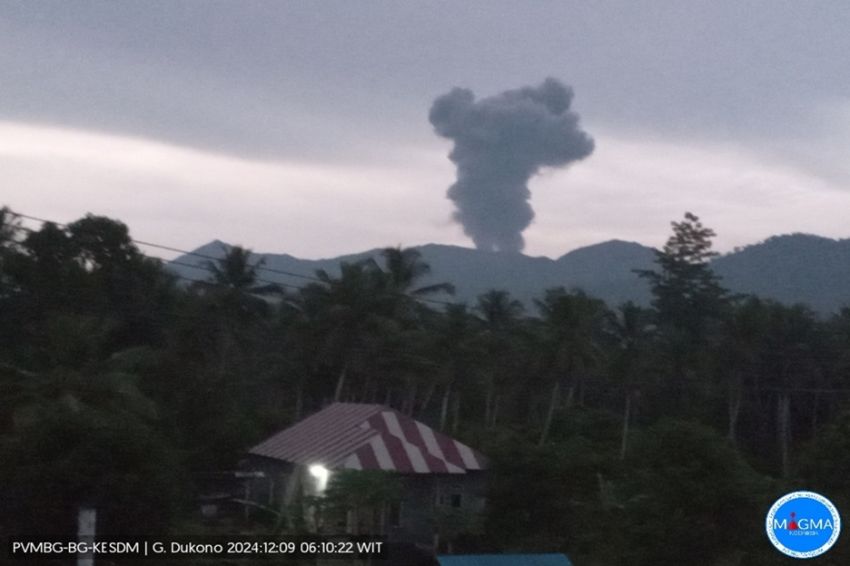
x=499, y=143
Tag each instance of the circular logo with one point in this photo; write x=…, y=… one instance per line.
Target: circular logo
x=803, y=524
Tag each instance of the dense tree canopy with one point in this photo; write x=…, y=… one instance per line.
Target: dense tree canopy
x=613, y=429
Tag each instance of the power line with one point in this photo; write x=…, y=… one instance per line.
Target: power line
x=213, y=258
x=93, y=311
x=171, y=274
x=178, y=250
x=207, y=269
x=182, y=264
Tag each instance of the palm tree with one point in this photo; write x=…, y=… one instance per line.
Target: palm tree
x=456, y=345
x=498, y=310
x=633, y=332
x=743, y=334
x=406, y=268
x=573, y=322
x=347, y=311
x=500, y=315
x=791, y=361
x=235, y=273
x=236, y=296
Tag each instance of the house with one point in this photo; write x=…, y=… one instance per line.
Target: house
x=504, y=560
x=437, y=473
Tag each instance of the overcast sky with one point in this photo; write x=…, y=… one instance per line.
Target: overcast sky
x=302, y=127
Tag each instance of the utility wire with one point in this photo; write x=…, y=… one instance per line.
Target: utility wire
x=177, y=250
x=189, y=265
x=213, y=258
x=197, y=316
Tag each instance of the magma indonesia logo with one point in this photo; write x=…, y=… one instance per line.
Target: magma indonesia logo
x=803, y=524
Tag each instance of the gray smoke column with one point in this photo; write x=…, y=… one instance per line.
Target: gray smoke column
x=499, y=143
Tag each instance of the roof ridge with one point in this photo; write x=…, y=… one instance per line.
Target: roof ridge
x=382, y=437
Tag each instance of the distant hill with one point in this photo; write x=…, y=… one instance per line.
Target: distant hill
x=798, y=268
x=792, y=268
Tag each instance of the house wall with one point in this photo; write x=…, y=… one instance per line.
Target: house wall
x=423, y=497
x=271, y=490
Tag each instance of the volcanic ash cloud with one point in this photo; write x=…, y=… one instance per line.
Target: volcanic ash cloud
x=499, y=143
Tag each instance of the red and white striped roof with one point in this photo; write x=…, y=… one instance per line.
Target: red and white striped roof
x=370, y=437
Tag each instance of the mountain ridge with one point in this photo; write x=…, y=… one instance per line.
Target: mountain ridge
x=790, y=268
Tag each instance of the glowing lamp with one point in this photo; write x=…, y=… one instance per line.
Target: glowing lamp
x=321, y=474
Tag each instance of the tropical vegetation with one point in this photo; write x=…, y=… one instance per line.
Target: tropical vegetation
x=619, y=434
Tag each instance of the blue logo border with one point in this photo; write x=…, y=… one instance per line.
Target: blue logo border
x=836, y=521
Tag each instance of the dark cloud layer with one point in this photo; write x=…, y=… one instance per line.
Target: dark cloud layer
x=500, y=142
x=342, y=80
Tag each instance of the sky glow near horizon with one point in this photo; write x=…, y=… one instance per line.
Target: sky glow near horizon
x=173, y=195
x=302, y=128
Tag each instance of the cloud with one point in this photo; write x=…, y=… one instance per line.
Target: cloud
x=631, y=189
x=185, y=197
x=634, y=186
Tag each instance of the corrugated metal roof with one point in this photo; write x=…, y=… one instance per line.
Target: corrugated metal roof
x=369, y=437
x=504, y=560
